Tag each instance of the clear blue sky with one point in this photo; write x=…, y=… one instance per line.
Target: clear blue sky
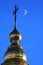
x=30, y=26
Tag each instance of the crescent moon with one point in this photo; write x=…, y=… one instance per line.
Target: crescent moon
x=25, y=12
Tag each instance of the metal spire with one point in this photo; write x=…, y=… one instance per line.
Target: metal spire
x=14, y=13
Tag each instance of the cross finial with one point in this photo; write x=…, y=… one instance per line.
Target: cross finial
x=14, y=13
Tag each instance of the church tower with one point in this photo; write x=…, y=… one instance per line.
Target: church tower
x=15, y=54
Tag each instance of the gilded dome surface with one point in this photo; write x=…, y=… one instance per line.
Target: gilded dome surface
x=15, y=61
x=15, y=35
x=15, y=51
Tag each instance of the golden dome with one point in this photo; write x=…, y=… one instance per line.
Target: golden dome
x=15, y=35
x=15, y=51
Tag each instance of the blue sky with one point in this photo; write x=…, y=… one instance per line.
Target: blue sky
x=30, y=26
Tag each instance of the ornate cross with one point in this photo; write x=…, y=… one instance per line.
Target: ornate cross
x=14, y=13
